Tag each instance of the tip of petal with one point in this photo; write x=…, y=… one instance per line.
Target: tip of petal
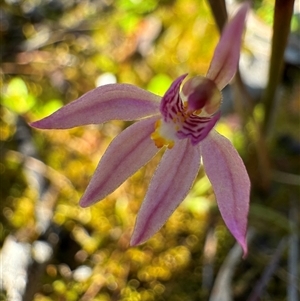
x=36, y=124
x=84, y=204
x=245, y=254
x=245, y=6
x=45, y=124
x=244, y=248
x=134, y=242
x=226, y=56
x=137, y=238
x=87, y=201
x=241, y=239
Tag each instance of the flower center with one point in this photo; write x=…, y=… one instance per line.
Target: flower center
x=186, y=113
x=165, y=132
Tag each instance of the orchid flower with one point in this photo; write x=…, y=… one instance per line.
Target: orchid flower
x=182, y=121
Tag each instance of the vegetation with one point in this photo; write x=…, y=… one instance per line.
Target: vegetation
x=53, y=52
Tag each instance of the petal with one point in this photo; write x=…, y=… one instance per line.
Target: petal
x=227, y=53
x=126, y=154
x=169, y=186
x=171, y=102
x=114, y=101
x=197, y=128
x=227, y=173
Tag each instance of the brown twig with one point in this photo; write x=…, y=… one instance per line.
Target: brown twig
x=218, y=8
x=281, y=29
x=222, y=286
x=293, y=256
x=269, y=270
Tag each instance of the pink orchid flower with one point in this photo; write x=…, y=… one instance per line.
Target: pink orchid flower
x=183, y=120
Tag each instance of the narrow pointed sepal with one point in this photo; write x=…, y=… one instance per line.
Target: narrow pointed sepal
x=169, y=186
x=228, y=176
x=109, y=102
x=126, y=154
x=227, y=53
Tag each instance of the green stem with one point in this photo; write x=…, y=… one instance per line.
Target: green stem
x=219, y=11
x=259, y=144
x=281, y=29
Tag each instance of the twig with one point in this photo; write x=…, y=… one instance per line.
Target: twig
x=244, y=110
x=219, y=11
x=293, y=257
x=286, y=178
x=269, y=270
x=38, y=166
x=209, y=254
x=281, y=29
x=25, y=254
x=222, y=287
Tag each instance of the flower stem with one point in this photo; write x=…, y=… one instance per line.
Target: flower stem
x=219, y=11
x=281, y=28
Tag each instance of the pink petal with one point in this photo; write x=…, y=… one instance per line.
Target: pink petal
x=169, y=186
x=230, y=181
x=109, y=102
x=227, y=53
x=171, y=102
x=197, y=128
x=126, y=154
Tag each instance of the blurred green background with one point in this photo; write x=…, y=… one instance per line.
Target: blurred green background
x=53, y=52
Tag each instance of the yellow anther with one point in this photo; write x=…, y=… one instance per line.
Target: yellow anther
x=171, y=144
x=157, y=124
x=159, y=142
